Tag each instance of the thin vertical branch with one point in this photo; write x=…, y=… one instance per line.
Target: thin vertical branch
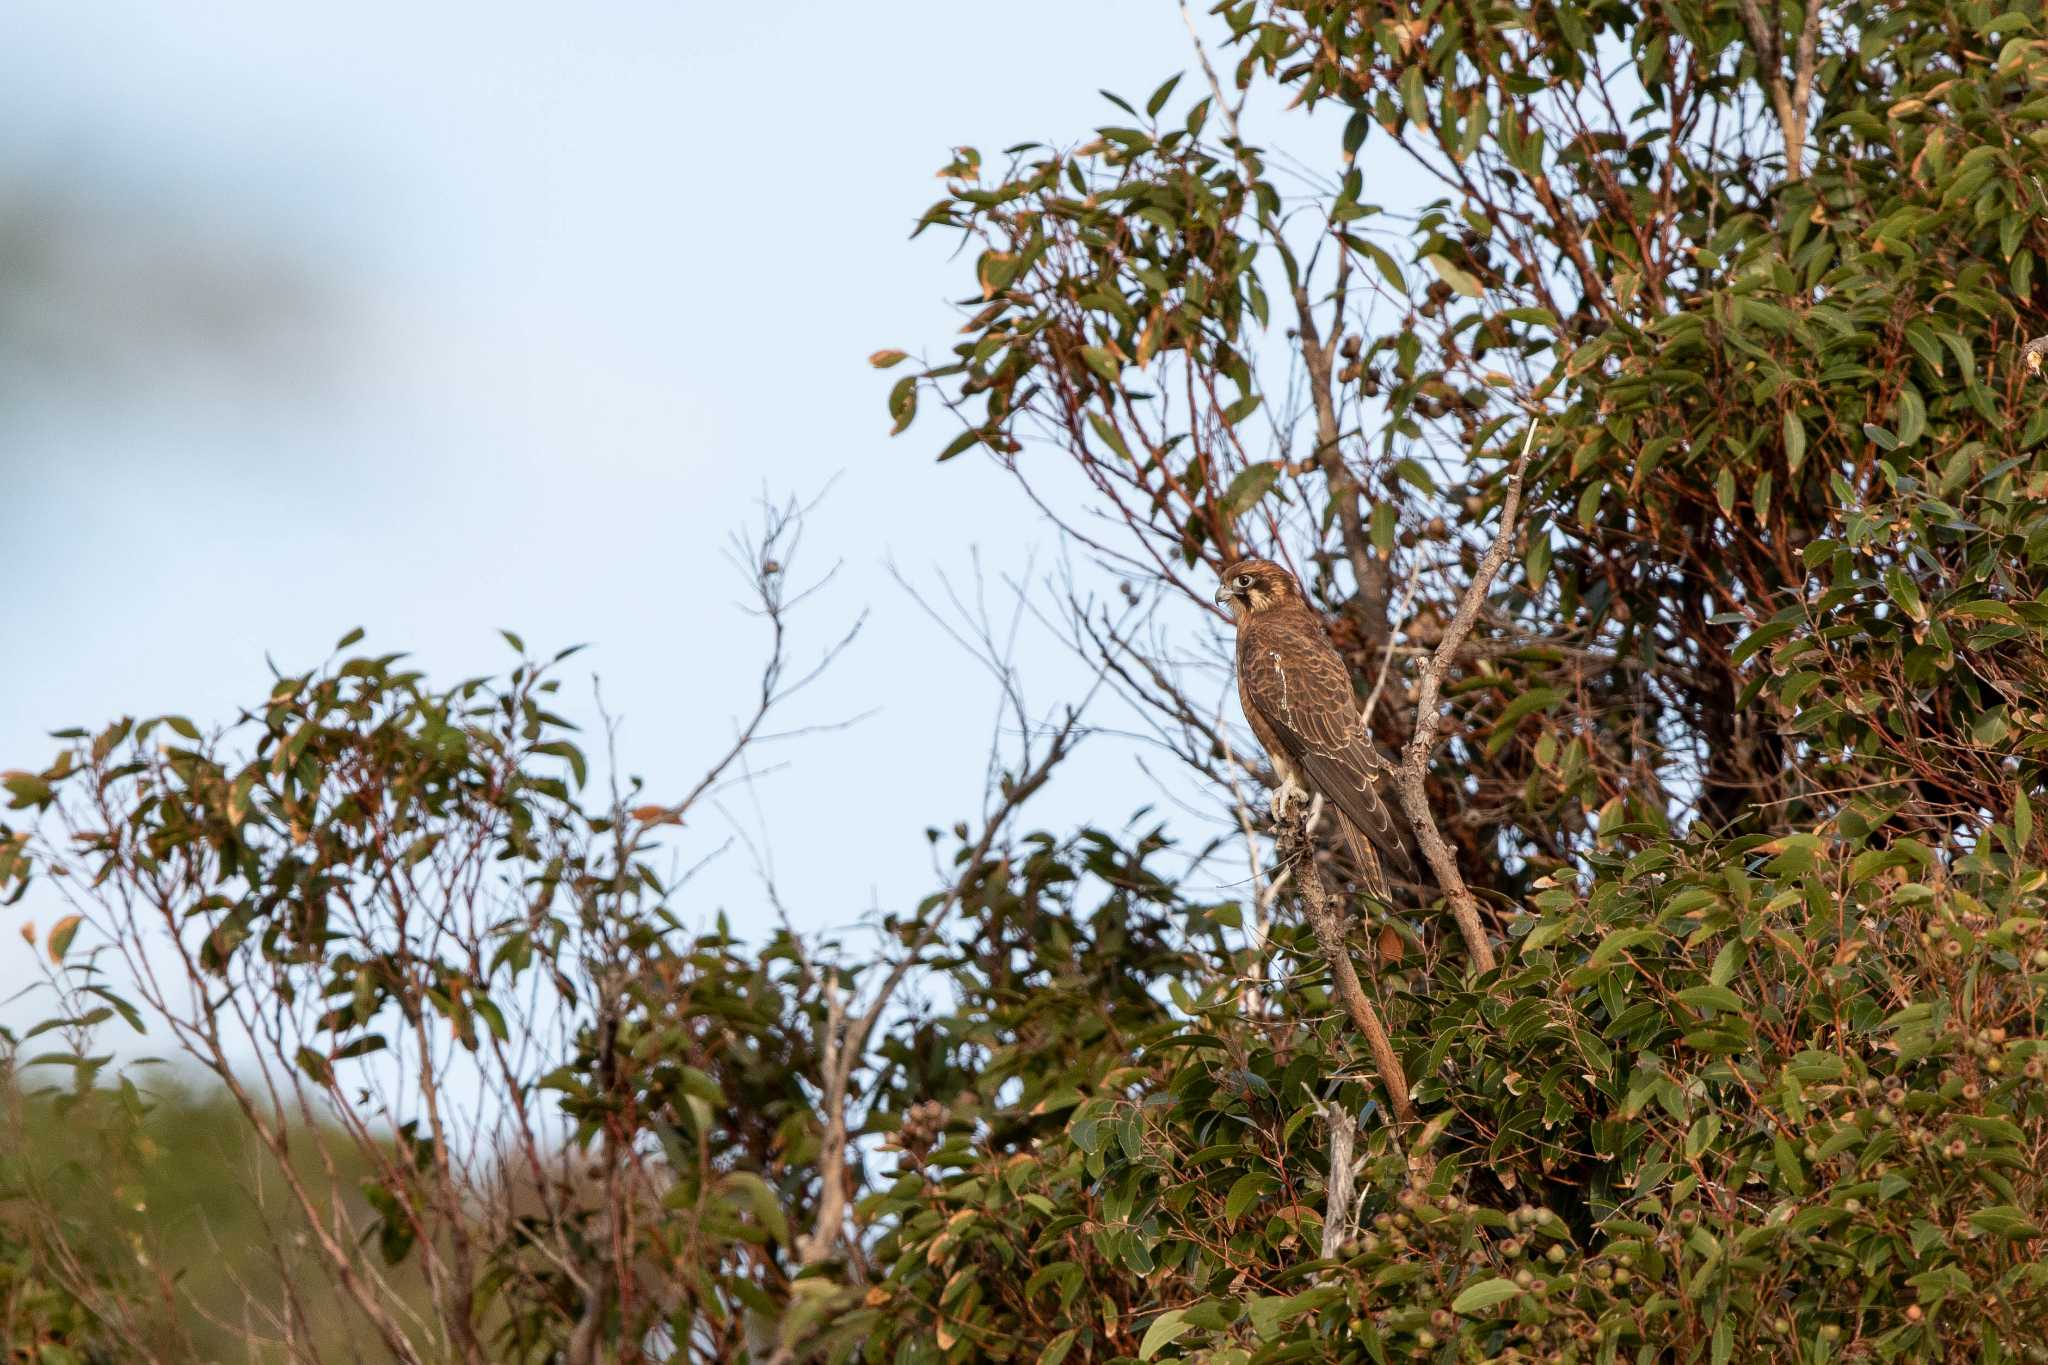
x=1414, y=770
x=1791, y=101
x=1338, y=1211
x=1326, y=918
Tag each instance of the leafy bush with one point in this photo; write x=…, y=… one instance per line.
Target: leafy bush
x=1740, y=768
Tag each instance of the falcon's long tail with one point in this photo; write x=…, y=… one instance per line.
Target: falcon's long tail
x=1371, y=874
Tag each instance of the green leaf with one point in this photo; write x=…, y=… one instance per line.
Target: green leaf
x=1413, y=473
x=1270, y=1312
x=1251, y=483
x=1712, y=998
x=1791, y=1171
x=1056, y=1349
x=1912, y=415
x=1414, y=100
x=1994, y=1128
x=1906, y=593
x=1767, y=634
x=1244, y=1193
x=1535, y=699
x=1102, y=362
x=128, y=1012
x=1795, y=441
x=1941, y=1283
x=1460, y=280
x=1617, y=943
x=1242, y=408
x=1160, y=96
x=1589, y=502
x=1167, y=1328
x=1384, y=523
x=760, y=1200
x=579, y=767
x=1479, y=1297
x=25, y=788
x=1381, y=259
x=315, y=1066
x=1818, y=1066
x=1108, y=434
x=1355, y=130
x=903, y=403
x=2004, y=1220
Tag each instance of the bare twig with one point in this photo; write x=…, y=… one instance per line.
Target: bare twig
x=1223, y=106
x=1414, y=770
x=765, y=561
x=849, y=1024
x=1264, y=892
x=847, y=1027
x=1379, y=683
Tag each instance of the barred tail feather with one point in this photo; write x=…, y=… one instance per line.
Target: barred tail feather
x=1371, y=874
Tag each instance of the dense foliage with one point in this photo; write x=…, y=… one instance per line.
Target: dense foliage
x=1744, y=762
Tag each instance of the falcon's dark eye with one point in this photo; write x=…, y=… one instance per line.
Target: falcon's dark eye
x=1244, y=580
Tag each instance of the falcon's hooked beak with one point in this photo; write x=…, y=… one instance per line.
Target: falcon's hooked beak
x=1225, y=595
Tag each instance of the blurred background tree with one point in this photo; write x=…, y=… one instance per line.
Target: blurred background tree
x=1736, y=767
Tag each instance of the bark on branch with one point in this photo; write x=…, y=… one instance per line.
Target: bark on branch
x=1369, y=608
x=1792, y=100
x=1338, y=1226
x=1411, y=776
x=1326, y=918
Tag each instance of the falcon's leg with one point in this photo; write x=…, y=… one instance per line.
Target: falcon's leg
x=1285, y=797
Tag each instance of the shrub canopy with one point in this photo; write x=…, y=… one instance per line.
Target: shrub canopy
x=1743, y=761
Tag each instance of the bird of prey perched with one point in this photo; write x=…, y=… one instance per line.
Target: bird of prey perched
x=1297, y=695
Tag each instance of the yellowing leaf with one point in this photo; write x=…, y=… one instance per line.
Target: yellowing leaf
x=1460, y=280
x=61, y=934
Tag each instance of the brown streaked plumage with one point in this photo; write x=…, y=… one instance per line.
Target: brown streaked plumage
x=1297, y=694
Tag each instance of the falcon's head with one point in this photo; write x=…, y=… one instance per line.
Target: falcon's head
x=1255, y=584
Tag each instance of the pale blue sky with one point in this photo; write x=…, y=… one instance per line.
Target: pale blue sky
x=564, y=288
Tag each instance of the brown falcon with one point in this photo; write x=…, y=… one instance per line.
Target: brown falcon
x=1297, y=694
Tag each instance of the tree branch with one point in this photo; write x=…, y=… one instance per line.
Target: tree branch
x=847, y=1031
x=1337, y=1203
x=1319, y=359
x=1793, y=101
x=1411, y=776
x=1325, y=916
